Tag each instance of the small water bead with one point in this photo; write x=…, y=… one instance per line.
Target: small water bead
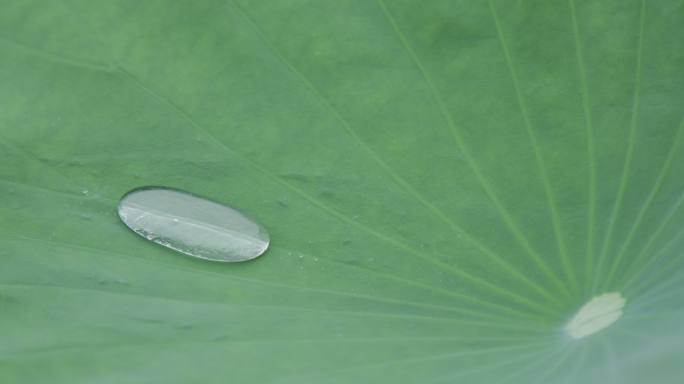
x=597, y=314
x=192, y=225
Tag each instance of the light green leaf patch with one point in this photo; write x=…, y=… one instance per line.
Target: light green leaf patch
x=445, y=185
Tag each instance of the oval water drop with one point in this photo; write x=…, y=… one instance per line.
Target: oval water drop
x=192, y=225
x=597, y=314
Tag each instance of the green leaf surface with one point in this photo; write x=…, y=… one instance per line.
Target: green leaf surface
x=445, y=184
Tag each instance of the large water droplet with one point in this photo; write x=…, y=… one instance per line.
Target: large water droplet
x=192, y=225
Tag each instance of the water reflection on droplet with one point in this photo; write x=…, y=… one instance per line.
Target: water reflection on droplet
x=192, y=225
x=597, y=314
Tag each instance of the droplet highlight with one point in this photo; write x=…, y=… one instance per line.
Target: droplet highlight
x=192, y=225
x=597, y=314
